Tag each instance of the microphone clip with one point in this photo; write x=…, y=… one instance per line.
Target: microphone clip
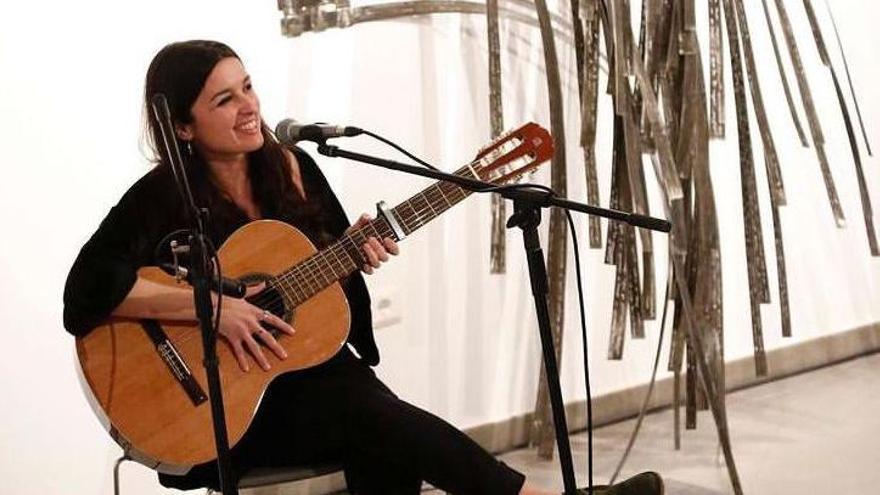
x=231, y=287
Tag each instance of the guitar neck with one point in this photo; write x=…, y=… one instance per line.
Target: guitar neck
x=344, y=256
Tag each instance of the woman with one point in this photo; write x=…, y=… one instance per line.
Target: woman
x=240, y=173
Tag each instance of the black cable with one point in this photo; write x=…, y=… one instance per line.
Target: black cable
x=400, y=149
x=581, y=305
x=165, y=241
x=577, y=263
x=580, y=287
x=215, y=259
x=425, y=164
x=526, y=185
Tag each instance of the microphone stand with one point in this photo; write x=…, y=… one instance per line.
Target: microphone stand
x=200, y=277
x=527, y=216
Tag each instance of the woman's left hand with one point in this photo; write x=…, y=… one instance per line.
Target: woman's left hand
x=375, y=251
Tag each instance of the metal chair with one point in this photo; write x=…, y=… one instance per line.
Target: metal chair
x=119, y=461
x=259, y=477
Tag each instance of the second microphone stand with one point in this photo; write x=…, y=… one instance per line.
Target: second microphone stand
x=201, y=273
x=527, y=216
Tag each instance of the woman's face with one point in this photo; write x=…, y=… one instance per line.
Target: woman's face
x=226, y=115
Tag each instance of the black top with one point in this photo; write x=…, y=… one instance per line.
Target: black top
x=126, y=240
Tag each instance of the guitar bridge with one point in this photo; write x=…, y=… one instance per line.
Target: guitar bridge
x=168, y=353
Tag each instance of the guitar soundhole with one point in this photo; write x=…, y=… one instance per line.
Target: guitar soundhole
x=269, y=299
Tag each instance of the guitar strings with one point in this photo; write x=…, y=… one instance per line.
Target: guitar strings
x=291, y=281
x=271, y=298
x=320, y=264
x=286, y=283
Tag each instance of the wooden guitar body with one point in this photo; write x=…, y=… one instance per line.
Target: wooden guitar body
x=144, y=406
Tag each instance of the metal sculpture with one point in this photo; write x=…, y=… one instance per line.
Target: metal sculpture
x=661, y=109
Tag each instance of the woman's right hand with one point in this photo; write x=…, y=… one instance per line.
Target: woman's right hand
x=239, y=319
x=240, y=326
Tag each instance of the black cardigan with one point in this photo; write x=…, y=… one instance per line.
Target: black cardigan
x=107, y=265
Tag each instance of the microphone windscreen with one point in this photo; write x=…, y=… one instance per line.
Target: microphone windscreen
x=287, y=131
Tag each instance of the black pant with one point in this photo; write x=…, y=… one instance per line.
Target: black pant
x=341, y=412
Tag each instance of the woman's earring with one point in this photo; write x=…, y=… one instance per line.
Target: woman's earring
x=189, y=148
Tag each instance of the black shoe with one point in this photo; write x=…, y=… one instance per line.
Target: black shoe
x=647, y=483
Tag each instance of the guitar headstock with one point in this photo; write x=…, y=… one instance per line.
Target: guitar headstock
x=513, y=154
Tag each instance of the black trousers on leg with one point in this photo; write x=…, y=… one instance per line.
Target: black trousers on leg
x=341, y=412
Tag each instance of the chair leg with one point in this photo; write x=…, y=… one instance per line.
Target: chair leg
x=119, y=461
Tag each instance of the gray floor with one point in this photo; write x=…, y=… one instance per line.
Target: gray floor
x=812, y=433
x=817, y=432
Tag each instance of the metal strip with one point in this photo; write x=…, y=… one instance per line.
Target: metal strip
x=300, y=17
x=668, y=80
x=676, y=410
x=618, y=309
x=656, y=60
x=784, y=310
x=649, y=282
x=678, y=351
x=812, y=117
x=716, y=71
x=613, y=235
x=713, y=394
x=673, y=203
x=676, y=343
x=771, y=159
x=497, y=251
x=817, y=33
x=636, y=316
x=867, y=211
x=703, y=258
x=620, y=238
x=558, y=233
x=785, y=86
x=667, y=172
x=751, y=215
x=690, y=402
x=579, y=45
x=638, y=203
x=616, y=240
x=849, y=78
x=589, y=104
x=774, y=179
x=643, y=34
x=652, y=17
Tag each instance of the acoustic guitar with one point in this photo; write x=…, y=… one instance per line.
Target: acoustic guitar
x=144, y=378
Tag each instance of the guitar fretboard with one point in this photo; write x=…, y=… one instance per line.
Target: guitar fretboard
x=344, y=256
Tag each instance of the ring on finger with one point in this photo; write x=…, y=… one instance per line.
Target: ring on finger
x=265, y=315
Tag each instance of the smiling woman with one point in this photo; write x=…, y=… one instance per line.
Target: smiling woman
x=217, y=114
x=335, y=411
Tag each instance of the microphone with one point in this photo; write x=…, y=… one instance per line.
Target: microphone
x=289, y=131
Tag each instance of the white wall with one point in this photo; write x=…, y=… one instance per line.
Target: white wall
x=466, y=347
